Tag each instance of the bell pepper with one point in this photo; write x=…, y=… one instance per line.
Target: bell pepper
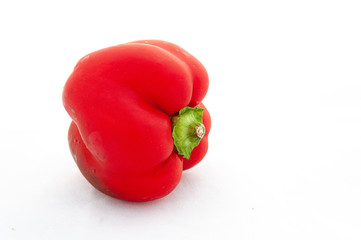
x=137, y=118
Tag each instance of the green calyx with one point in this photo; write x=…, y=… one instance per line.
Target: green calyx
x=188, y=130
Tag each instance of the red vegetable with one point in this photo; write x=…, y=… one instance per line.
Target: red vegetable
x=138, y=120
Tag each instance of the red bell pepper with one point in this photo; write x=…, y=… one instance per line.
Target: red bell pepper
x=137, y=118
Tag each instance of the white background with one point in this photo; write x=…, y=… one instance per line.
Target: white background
x=284, y=96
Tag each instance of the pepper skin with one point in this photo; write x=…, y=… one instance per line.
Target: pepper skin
x=121, y=100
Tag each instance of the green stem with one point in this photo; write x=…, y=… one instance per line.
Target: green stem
x=188, y=130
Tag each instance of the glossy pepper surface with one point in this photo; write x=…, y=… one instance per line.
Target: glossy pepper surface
x=137, y=118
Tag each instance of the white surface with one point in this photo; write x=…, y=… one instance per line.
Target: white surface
x=285, y=100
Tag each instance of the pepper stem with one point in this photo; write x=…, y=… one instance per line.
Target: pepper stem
x=200, y=130
x=188, y=130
